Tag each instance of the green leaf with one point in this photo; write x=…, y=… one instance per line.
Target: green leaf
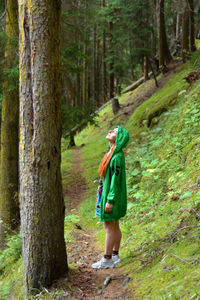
x=130, y=205
x=135, y=172
x=186, y=195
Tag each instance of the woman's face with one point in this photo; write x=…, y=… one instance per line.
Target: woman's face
x=111, y=136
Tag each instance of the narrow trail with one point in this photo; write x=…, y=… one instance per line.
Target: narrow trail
x=82, y=282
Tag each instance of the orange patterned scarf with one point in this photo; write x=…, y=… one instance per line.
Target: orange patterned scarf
x=105, y=161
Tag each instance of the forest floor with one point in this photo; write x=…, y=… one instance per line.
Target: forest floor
x=83, y=282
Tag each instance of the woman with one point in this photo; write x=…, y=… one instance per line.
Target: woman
x=114, y=197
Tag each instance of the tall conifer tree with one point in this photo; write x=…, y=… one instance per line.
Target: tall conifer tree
x=9, y=206
x=42, y=205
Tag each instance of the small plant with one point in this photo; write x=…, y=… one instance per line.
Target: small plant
x=11, y=253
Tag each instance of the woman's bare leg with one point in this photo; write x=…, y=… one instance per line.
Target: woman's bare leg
x=113, y=236
x=110, y=236
x=118, y=236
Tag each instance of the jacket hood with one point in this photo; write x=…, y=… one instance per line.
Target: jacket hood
x=122, y=139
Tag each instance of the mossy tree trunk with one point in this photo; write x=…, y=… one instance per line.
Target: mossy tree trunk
x=41, y=199
x=185, y=32
x=9, y=206
x=164, y=53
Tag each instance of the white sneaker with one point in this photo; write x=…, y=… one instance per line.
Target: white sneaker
x=116, y=259
x=104, y=264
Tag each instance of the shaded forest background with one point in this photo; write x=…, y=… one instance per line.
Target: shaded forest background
x=106, y=45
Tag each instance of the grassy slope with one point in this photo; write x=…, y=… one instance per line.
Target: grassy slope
x=162, y=174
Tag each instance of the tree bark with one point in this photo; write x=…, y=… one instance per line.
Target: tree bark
x=96, y=66
x=111, y=65
x=185, y=32
x=9, y=204
x=164, y=53
x=192, y=25
x=146, y=69
x=104, y=63
x=85, y=76
x=177, y=25
x=115, y=105
x=41, y=199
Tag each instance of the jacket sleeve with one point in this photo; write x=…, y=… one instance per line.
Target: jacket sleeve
x=116, y=169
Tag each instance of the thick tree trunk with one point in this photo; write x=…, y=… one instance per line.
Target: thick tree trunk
x=41, y=199
x=9, y=206
x=185, y=32
x=192, y=25
x=164, y=53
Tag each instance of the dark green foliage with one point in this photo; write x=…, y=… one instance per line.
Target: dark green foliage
x=11, y=253
x=75, y=119
x=131, y=30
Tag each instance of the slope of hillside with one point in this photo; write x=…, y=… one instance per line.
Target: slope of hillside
x=160, y=247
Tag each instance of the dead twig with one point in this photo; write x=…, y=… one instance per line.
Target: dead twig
x=181, y=259
x=3, y=15
x=186, y=227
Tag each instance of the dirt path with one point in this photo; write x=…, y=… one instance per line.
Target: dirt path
x=83, y=282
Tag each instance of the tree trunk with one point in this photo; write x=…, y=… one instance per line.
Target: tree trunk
x=192, y=27
x=164, y=53
x=115, y=105
x=9, y=205
x=104, y=63
x=185, y=32
x=96, y=67
x=111, y=65
x=177, y=25
x=146, y=69
x=85, y=76
x=41, y=199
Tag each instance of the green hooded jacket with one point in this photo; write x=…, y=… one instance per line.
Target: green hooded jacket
x=114, y=187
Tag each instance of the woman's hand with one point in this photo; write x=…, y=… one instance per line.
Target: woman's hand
x=108, y=207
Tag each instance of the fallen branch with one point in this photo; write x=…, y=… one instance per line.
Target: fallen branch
x=186, y=227
x=181, y=259
x=112, y=277
x=134, y=85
